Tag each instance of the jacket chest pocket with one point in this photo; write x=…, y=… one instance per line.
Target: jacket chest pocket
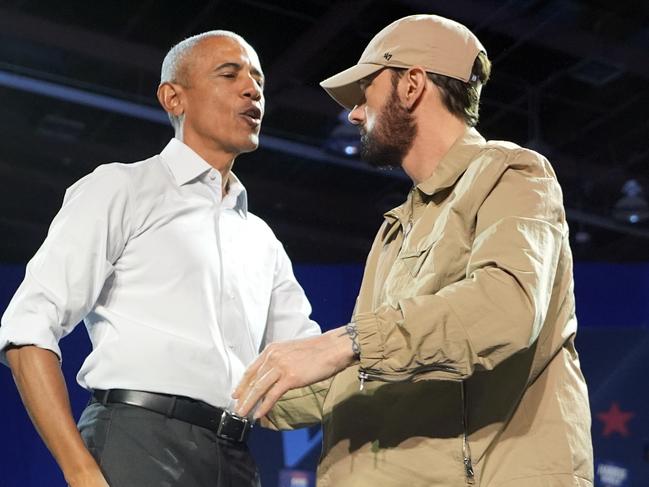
x=406, y=276
x=413, y=260
x=438, y=259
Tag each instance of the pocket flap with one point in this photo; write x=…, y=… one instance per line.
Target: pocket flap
x=408, y=254
x=413, y=259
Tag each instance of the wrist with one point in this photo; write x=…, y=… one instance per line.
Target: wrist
x=346, y=338
x=352, y=333
x=77, y=472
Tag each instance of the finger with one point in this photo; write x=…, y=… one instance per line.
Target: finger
x=249, y=398
x=259, y=388
x=270, y=399
x=256, y=369
x=256, y=391
x=243, y=389
x=248, y=376
x=261, y=366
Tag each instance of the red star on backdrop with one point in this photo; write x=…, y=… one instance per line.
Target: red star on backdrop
x=615, y=420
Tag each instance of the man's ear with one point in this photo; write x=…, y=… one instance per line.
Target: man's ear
x=171, y=99
x=415, y=85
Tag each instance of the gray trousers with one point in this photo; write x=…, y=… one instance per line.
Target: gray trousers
x=135, y=447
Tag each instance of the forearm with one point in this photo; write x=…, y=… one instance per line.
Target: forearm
x=42, y=388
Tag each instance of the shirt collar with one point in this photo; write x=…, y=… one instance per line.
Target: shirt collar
x=186, y=165
x=237, y=197
x=183, y=162
x=449, y=169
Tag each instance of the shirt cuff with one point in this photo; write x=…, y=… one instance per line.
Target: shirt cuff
x=16, y=338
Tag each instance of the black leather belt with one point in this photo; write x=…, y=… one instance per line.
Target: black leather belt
x=225, y=424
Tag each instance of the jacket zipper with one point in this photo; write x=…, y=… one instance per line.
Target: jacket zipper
x=466, y=448
x=366, y=375
x=362, y=376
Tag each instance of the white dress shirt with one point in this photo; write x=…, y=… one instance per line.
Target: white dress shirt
x=179, y=289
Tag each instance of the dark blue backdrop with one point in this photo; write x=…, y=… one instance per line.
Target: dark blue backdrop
x=613, y=342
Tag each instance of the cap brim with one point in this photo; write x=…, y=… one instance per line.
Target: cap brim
x=344, y=88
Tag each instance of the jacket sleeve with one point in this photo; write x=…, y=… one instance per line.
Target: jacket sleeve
x=298, y=408
x=499, y=307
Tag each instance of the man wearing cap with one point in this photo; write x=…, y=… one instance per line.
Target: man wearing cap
x=179, y=287
x=458, y=366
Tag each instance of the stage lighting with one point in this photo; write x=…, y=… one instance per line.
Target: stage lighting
x=344, y=139
x=632, y=207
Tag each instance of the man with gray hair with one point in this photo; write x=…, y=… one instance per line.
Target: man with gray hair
x=179, y=287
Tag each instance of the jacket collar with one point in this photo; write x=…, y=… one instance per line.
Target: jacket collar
x=454, y=162
x=186, y=165
x=447, y=172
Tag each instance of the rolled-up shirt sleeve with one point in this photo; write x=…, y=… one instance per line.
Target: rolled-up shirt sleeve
x=66, y=275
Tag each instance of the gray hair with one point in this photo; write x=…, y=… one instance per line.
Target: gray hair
x=174, y=63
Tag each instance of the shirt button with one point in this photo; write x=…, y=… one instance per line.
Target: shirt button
x=212, y=176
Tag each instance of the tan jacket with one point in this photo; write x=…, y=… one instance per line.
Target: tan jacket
x=466, y=319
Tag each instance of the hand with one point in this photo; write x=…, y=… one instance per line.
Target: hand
x=287, y=365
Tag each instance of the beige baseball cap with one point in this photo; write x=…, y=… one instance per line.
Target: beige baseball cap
x=437, y=44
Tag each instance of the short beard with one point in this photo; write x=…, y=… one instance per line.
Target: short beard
x=392, y=136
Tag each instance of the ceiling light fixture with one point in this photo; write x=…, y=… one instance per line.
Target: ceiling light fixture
x=632, y=207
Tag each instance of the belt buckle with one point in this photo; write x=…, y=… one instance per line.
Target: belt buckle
x=229, y=424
